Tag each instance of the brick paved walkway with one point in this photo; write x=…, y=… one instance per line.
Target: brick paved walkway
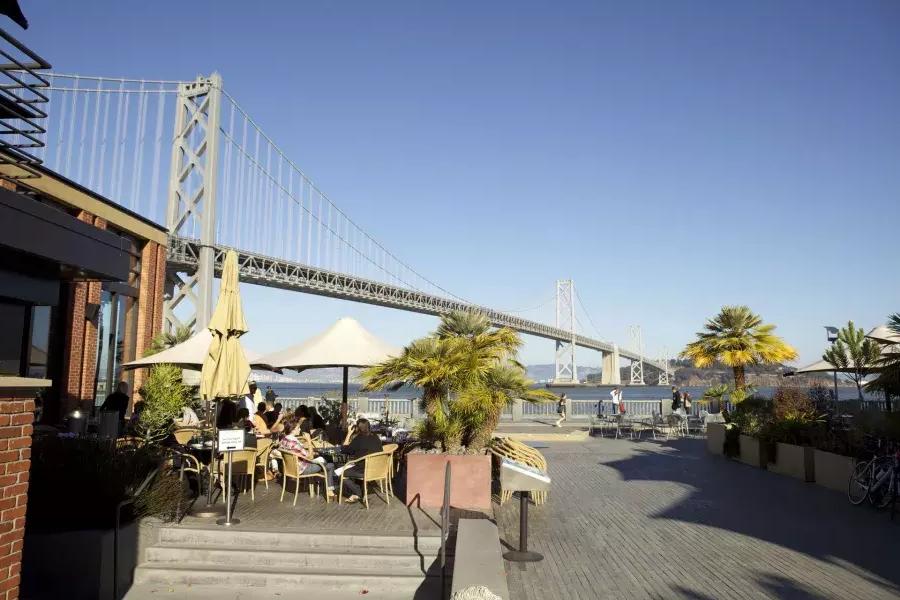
x=666, y=520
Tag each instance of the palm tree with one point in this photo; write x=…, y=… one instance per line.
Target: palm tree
x=167, y=339
x=888, y=379
x=737, y=337
x=467, y=373
x=854, y=354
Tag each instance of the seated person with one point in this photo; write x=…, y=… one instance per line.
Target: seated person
x=243, y=422
x=301, y=419
x=315, y=419
x=364, y=443
x=188, y=418
x=291, y=443
x=259, y=420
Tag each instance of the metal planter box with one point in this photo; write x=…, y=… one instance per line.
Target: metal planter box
x=832, y=470
x=753, y=452
x=470, y=484
x=715, y=438
x=794, y=461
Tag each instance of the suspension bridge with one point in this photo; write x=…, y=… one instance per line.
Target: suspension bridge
x=228, y=185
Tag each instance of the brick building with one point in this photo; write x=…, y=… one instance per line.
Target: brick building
x=76, y=324
x=81, y=293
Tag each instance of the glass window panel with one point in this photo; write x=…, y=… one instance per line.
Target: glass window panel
x=12, y=324
x=40, y=341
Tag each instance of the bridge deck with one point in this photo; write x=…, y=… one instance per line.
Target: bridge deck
x=274, y=272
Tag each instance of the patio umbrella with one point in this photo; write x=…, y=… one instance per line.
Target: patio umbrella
x=189, y=354
x=225, y=370
x=345, y=344
x=884, y=335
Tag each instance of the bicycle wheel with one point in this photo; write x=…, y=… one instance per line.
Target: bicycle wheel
x=881, y=482
x=858, y=488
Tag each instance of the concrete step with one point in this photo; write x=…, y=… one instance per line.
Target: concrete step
x=384, y=560
x=272, y=583
x=427, y=545
x=147, y=591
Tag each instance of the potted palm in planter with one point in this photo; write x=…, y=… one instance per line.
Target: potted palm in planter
x=468, y=374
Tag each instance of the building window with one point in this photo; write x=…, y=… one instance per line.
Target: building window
x=13, y=342
x=39, y=349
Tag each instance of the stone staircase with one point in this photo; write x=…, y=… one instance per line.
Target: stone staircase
x=248, y=565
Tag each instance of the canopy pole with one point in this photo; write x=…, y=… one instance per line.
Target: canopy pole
x=344, y=405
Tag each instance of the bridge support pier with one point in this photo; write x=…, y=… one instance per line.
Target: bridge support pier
x=610, y=373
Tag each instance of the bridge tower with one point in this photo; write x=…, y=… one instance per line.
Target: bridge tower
x=191, y=209
x=664, y=374
x=637, y=366
x=566, y=371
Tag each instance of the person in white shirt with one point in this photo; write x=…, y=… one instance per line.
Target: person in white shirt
x=188, y=418
x=615, y=397
x=249, y=401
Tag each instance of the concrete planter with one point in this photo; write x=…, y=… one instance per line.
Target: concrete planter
x=794, y=461
x=832, y=470
x=715, y=438
x=753, y=452
x=470, y=485
x=77, y=564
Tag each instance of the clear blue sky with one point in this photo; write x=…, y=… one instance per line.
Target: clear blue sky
x=671, y=157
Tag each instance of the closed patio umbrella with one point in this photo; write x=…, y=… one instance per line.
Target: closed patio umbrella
x=225, y=369
x=345, y=344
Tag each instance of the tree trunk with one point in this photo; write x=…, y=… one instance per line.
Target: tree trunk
x=483, y=436
x=740, y=379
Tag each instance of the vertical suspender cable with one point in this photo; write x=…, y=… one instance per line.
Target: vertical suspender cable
x=251, y=206
x=60, y=133
x=92, y=160
x=72, y=114
x=102, y=162
x=304, y=183
x=270, y=200
x=157, y=149
x=83, y=137
x=114, y=169
x=137, y=164
x=122, y=146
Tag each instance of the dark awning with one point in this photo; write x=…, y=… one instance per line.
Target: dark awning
x=76, y=249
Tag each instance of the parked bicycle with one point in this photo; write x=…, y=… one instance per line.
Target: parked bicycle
x=877, y=479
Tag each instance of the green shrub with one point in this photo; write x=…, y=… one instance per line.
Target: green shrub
x=164, y=396
x=752, y=415
x=76, y=483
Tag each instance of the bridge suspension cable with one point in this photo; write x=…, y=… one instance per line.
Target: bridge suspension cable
x=113, y=136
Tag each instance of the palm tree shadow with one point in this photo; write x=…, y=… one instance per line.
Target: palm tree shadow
x=780, y=510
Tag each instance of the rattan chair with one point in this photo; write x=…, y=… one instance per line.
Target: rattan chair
x=264, y=448
x=293, y=469
x=376, y=467
x=243, y=466
x=392, y=450
x=515, y=450
x=183, y=435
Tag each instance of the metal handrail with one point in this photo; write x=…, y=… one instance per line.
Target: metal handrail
x=130, y=500
x=445, y=524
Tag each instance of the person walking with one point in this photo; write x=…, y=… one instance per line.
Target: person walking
x=676, y=398
x=270, y=395
x=686, y=402
x=615, y=398
x=561, y=410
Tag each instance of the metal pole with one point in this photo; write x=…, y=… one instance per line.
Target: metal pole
x=210, y=510
x=345, y=408
x=228, y=521
x=523, y=554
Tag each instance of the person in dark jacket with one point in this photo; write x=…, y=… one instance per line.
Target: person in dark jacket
x=364, y=443
x=118, y=400
x=676, y=398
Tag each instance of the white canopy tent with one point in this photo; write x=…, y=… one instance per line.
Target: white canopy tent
x=345, y=344
x=884, y=335
x=189, y=354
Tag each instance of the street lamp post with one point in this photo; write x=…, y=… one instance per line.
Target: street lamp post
x=832, y=333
